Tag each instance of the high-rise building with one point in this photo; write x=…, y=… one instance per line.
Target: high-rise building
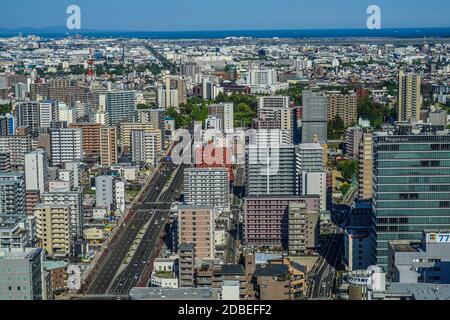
x=101, y=115
x=266, y=218
x=315, y=183
x=72, y=199
x=153, y=116
x=16, y=232
x=353, y=140
x=207, y=187
x=270, y=170
x=27, y=115
x=20, y=91
x=310, y=157
x=22, y=274
x=12, y=193
x=271, y=137
x=7, y=125
x=224, y=112
x=189, y=69
x=120, y=196
x=314, y=117
x=310, y=168
x=48, y=113
x=74, y=166
x=358, y=247
x=343, y=105
x=304, y=228
x=108, y=146
x=274, y=112
x=66, y=114
x=105, y=192
x=196, y=226
x=36, y=171
x=262, y=77
x=91, y=137
x=411, y=190
x=365, y=166
x=145, y=146
x=53, y=229
x=120, y=106
x=186, y=265
x=125, y=129
x=210, y=89
x=172, y=92
x=16, y=146
x=409, y=97
x=5, y=163
x=66, y=145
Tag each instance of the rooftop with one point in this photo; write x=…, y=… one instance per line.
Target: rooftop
x=406, y=246
x=420, y=291
x=232, y=269
x=271, y=270
x=53, y=265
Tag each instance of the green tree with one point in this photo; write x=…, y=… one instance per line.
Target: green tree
x=345, y=188
x=142, y=106
x=243, y=115
x=348, y=168
x=375, y=112
x=336, y=128
x=5, y=108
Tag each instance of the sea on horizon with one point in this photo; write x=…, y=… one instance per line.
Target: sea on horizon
x=305, y=33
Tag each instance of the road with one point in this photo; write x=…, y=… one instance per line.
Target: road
x=323, y=277
x=234, y=234
x=149, y=218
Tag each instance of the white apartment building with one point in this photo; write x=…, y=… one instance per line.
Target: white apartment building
x=36, y=171
x=207, y=187
x=48, y=112
x=145, y=146
x=120, y=196
x=262, y=77
x=66, y=145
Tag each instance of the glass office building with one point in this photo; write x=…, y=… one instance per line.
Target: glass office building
x=411, y=189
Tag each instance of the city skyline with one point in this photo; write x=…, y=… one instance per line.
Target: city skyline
x=298, y=150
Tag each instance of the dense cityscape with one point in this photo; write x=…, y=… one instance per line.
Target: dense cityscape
x=224, y=169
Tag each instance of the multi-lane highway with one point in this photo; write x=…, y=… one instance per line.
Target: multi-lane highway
x=132, y=253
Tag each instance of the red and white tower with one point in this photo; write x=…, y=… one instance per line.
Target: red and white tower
x=90, y=63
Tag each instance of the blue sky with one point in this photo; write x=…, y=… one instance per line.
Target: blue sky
x=177, y=15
